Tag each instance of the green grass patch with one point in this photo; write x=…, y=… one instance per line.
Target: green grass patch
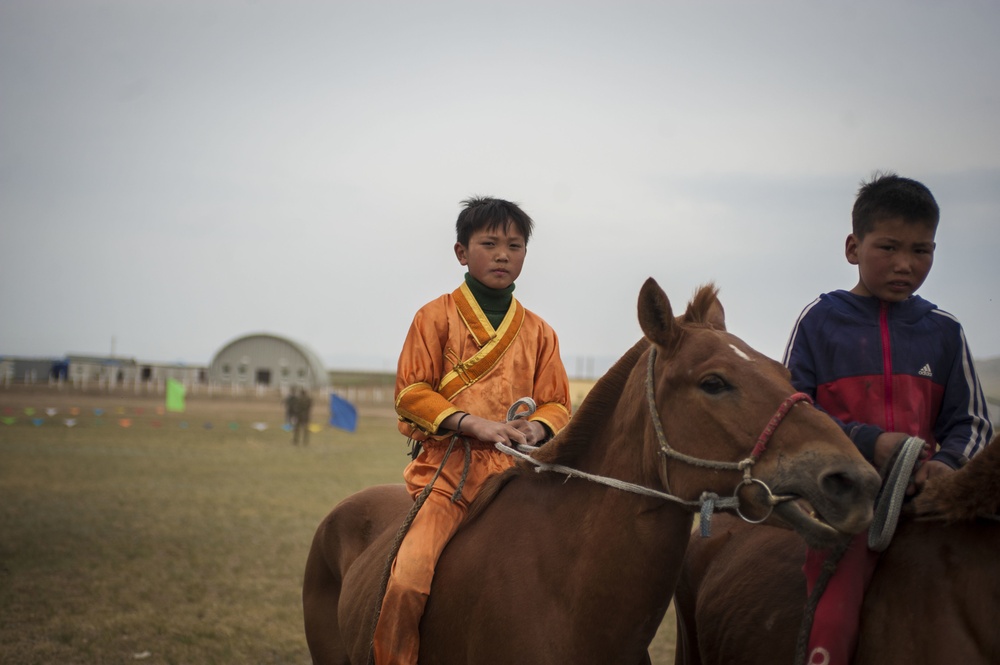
x=171, y=544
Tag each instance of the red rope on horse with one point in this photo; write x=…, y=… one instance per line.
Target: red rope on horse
x=776, y=419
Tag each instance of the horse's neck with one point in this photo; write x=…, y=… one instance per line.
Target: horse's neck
x=587, y=515
x=620, y=551
x=610, y=436
x=626, y=562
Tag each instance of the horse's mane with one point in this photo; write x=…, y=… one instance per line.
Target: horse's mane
x=971, y=492
x=573, y=440
x=594, y=414
x=701, y=304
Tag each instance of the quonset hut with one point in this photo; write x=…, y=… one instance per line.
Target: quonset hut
x=263, y=361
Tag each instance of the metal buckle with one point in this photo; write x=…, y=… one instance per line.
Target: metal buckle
x=770, y=494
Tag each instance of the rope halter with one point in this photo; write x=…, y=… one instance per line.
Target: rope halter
x=745, y=465
x=708, y=502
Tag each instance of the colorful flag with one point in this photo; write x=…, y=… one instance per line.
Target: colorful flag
x=343, y=414
x=175, y=395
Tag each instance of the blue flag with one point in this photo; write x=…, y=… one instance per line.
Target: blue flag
x=343, y=414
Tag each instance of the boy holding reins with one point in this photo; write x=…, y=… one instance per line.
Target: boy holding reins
x=887, y=365
x=469, y=355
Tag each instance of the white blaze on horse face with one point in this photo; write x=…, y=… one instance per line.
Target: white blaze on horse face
x=740, y=353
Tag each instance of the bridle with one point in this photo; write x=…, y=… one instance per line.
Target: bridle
x=745, y=465
x=708, y=502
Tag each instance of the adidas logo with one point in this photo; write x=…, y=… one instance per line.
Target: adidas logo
x=926, y=371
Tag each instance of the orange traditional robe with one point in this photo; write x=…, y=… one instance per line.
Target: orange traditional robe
x=448, y=364
x=454, y=360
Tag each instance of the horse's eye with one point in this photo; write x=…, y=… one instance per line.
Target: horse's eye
x=714, y=385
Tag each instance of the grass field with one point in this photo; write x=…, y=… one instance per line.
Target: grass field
x=166, y=541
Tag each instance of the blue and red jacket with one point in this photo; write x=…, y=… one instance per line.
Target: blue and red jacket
x=891, y=367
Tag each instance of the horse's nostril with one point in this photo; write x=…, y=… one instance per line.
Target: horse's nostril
x=838, y=484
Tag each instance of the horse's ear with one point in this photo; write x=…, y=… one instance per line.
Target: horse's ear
x=655, y=315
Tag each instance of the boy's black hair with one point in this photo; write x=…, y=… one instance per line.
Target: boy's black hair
x=486, y=212
x=887, y=196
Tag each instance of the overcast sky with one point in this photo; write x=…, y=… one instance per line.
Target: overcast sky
x=175, y=174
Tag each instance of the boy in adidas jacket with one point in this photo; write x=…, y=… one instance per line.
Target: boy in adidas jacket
x=887, y=365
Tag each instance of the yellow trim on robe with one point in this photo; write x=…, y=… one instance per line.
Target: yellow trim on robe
x=444, y=347
x=418, y=398
x=467, y=372
x=473, y=315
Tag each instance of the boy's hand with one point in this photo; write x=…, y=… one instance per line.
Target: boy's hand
x=930, y=469
x=490, y=430
x=534, y=432
x=885, y=446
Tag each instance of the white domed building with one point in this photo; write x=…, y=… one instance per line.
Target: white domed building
x=263, y=361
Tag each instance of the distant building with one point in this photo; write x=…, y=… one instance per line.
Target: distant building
x=111, y=372
x=30, y=370
x=92, y=371
x=82, y=370
x=262, y=361
x=158, y=373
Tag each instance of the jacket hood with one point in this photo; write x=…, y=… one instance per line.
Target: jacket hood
x=863, y=308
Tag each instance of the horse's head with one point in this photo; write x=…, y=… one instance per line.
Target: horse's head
x=722, y=402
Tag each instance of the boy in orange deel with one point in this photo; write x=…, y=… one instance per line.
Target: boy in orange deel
x=469, y=355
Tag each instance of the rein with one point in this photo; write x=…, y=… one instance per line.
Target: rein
x=708, y=502
x=513, y=413
x=888, y=505
x=889, y=502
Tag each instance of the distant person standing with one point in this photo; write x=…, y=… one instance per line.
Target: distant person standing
x=303, y=407
x=290, y=401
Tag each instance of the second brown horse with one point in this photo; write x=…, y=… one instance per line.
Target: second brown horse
x=933, y=599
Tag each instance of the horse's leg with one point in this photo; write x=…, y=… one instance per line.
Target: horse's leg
x=345, y=536
x=320, y=596
x=686, y=647
x=697, y=561
x=740, y=595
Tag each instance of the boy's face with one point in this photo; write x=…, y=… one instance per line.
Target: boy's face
x=893, y=259
x=494, y=256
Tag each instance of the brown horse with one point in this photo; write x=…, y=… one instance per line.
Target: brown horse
x=554, y=568
x=933, y=599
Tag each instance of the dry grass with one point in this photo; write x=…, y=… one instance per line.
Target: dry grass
x=171, y=544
